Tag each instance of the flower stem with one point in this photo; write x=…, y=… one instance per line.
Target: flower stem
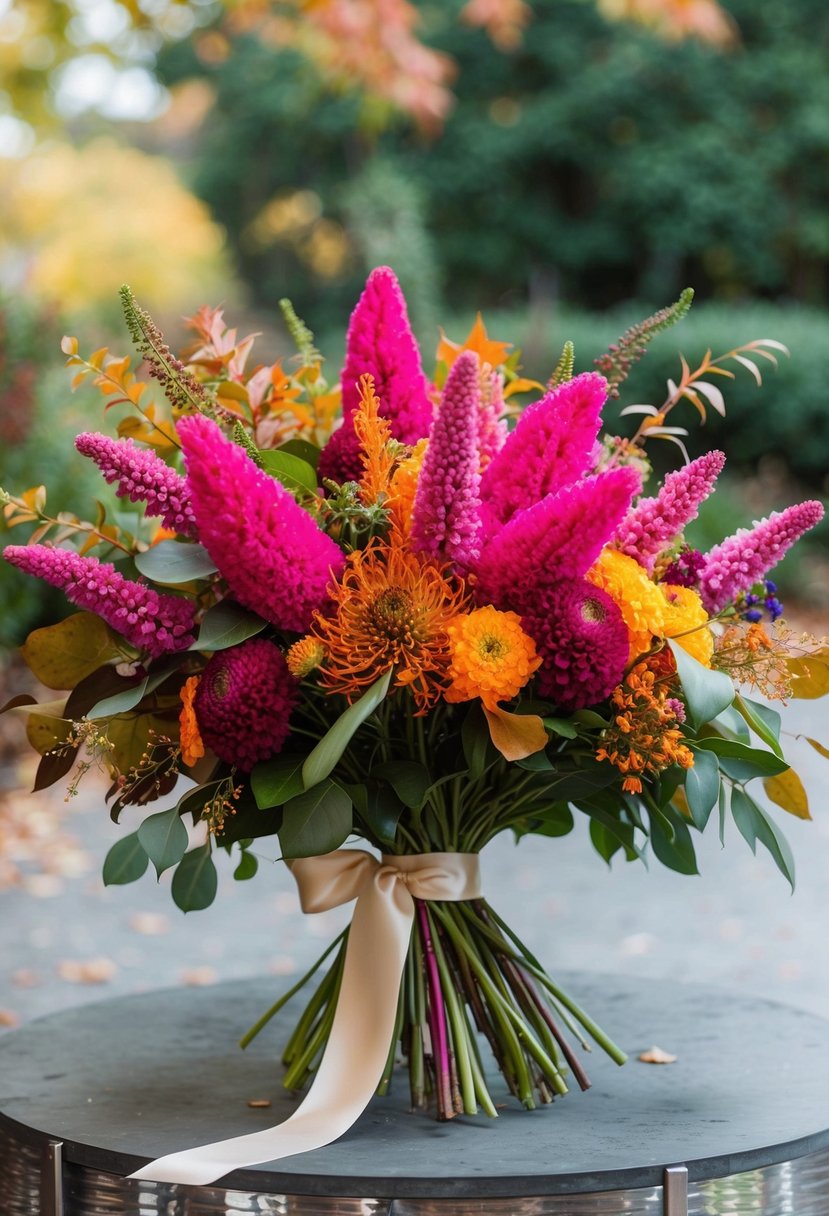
x=437, y=1019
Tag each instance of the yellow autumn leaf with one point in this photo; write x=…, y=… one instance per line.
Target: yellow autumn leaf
x=810, y=675
x=788, y=791
x=516, y=736
x=63, y=654
x=69, y=345
x=823, y=751
x=521, y=385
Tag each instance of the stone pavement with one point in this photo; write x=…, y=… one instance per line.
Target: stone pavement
x=66, y=940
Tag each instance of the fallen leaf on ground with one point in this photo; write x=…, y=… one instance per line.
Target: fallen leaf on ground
x=89, y=971
x=259, y=1103
x=199, y=977
x=26, y=978
x=655, y=1055
x=151, y=924
x=9, y=1018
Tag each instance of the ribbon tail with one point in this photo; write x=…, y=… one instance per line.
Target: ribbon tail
x=355, y=1056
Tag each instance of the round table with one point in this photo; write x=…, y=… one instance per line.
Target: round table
x=738, y=1124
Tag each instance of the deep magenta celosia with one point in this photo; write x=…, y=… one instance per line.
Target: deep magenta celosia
x=583, y=640
x=380, y=343
x=446, y=520
x=556, y=539
x=655, y=522
x=141, y=476
x=552, y=446
x=150, y=620
x=272, y=553
x=243, y=702
x=741, y=560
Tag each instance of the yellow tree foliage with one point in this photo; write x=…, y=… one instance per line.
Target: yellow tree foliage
x=75, y=223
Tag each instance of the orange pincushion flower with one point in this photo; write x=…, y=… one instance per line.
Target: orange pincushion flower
x=192, y=745
x=391, y=612
x=643, y=736
x=492, y=657
x=404, y=486
x=686, y=620
x=304, y=656
x=376, y=453
x=640, y=601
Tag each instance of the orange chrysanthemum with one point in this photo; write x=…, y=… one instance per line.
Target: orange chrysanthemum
x=640, y=601
x=492, y=657
x=643, y=736
x=304, y=656
x=686, y=620
x=192, y=744
x=391, y=612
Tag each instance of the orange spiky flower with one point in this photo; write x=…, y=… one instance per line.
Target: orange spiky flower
x=377, y=449
x=391, y=612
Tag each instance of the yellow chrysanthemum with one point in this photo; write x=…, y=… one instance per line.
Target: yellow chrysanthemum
x=304, y=656
x=686, y=620
x=404, y=486
x=491, y=657
x=192, y=744
x=640, y=601
x=391, y=612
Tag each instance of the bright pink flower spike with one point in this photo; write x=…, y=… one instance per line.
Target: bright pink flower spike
x=275, y=559
x=551, y=447
x=654, y=523
x=141, y=476
x=446, y=521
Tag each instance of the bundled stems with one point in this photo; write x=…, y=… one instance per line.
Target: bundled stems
x=468, y=982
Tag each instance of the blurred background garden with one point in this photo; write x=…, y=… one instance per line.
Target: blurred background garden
x=564, y=166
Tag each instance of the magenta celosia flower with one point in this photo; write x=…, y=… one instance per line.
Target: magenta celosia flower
x=273, y=556
x=552, y=446
x=446, y=520
x=149, y=620
x=141, y=476
x=655, y=522
x=243, y=702
x=685, y=569
x=582, y=639
x=558, y=538
x=741, y=560
x=379, y=342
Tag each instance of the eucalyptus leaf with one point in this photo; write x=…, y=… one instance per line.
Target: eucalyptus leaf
x=134, y=694
x=247, y=867
x=672, y=843
x=195, y=880
x=756, y=825
x=163, y=838
x=225, y=625
x=317, y=821
x=295, y=474
x=707, y=692
x=327, y=753
x=764, y=721
x=702, y=787
x=125, y=862
x=740, y=762
x=173, y=562
x=275, y=781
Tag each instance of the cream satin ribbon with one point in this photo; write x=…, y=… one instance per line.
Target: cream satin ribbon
x=358, y=1046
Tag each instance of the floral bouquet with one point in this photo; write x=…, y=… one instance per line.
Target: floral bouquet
x=442, y=618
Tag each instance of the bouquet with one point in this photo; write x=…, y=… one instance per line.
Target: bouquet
x=436, y=619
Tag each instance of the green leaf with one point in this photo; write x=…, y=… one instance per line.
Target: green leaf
x=123, y=702
x=304, y=449
x=554, y=820
x=764, y=721
x=195, y=880
x=326, y=755
x=604, y=841
x=756, y=825
x=125, y=862
x=707, y=692
x=225, y=625
x=294, y=474
x=589, y=718
x=315, y=822
x=408, y=778
x=740, y=762
x=172, y=562
x=732, y=725
x=247, y=867
x=163, y=838
x=561, y=726
x=702, y=787
x=379, y=807
x=275, y=781
x=671, y=842
x=62, y=655
x=475, y=740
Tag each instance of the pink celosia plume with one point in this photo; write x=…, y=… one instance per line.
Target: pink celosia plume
x=557, y=538
x=141, y=476
x=552, y=446
x=273, y=556
x=582, y=639
x=243, y=702
x=446, y=520
x=380, y=342
x=492, y=427
x=743, y=559
x=149, y=620
x=654, y=523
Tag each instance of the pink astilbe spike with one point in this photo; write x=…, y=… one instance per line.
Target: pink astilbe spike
x=655, y=522
x=552, y=446
x=380, y=342
x=446, y=520
x=273, y=556
x=557, y=538
x=149, y=620
x=743, y=559
x=141, y=476
x=492, y=428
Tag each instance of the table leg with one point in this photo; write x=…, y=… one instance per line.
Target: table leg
x=51, y=1179
x=675, y=1191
